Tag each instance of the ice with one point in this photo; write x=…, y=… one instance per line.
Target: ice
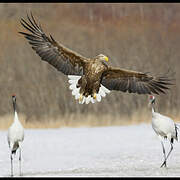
x=99, y=151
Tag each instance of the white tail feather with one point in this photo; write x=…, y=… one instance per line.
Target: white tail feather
x=88, y=99
x=102, y=93
x=77, y=96
x=104, y=89
x=72, y=86
x=73, y=77
x=98, y=97
x=75, y=91
x=93, y=100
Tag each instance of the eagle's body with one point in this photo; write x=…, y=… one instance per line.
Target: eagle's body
x=90, y=77
x=90, y=81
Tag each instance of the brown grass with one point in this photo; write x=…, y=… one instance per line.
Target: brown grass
x=76, y=120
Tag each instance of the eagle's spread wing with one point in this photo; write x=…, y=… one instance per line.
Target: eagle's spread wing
x=62, y=58
x=134, y=82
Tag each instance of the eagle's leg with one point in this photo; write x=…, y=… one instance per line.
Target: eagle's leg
x=80, y=97
x=82, y=83
x=94, y=96
x=96, y=89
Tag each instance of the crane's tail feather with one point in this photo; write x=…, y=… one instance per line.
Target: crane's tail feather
x=73, y=80
x=177, y=129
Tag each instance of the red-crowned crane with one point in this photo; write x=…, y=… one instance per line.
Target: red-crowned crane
x=15, y=136
x=164, y=127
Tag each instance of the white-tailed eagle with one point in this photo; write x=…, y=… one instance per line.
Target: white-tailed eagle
x=90, y=78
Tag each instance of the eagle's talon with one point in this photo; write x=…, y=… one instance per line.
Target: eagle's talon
x=80, y=98
x=94, y=96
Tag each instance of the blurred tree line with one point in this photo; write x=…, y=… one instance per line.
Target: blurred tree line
x=137, y=36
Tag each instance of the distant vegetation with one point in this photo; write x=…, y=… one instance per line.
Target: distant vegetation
x=143, y=37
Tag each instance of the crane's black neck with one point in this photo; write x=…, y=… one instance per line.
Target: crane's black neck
x=153, y=104
x=14, y=104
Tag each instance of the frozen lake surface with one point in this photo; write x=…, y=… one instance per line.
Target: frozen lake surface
x=99, y=151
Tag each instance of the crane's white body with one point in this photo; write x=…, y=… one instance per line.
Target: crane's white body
x=15, y=136
x=15, y=133
x=163, y=126
x=73, y=80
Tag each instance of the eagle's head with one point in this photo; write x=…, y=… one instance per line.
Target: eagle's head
x=102, y=57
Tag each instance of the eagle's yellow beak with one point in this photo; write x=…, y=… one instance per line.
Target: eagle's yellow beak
x=106, y=58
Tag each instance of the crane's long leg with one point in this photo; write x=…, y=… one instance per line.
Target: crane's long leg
x=164, y=163
x=20, y=161
x=11, y=164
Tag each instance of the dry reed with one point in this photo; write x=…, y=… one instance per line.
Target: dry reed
x=77, y=120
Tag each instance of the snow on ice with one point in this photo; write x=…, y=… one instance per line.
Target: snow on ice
x=98, y=151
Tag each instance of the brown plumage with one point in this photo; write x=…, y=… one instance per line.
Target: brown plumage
x=94, y=71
